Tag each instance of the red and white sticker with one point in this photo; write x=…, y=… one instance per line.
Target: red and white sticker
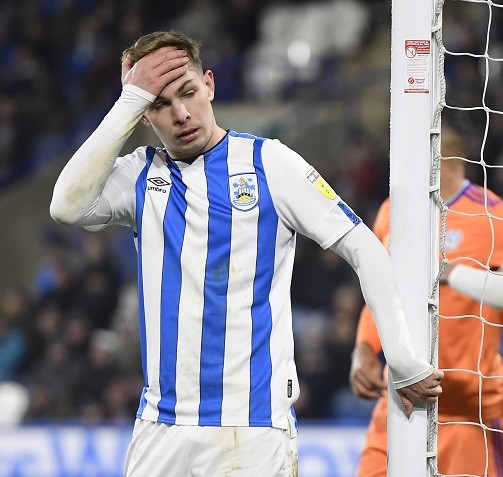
x=417, y=66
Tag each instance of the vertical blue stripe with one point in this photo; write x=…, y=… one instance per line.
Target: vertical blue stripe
x=260, y=362
x=174, y=231
x=215, y=289
x=141, y=187
x=292, y=410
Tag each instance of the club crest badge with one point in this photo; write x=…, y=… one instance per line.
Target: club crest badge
x=243, y=190
x=453, y=238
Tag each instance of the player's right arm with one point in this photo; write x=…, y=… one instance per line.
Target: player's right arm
x=412, y=376
x=366, y=374
x=366, y=369
x=77, y=193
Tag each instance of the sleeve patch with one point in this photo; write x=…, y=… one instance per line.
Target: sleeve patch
x=349, y=213
x=314, y=178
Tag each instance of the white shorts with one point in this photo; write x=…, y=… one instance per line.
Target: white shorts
x=167, y=450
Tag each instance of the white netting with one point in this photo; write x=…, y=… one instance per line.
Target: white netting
x=468, y=37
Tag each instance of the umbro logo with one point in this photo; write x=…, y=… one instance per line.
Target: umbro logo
x=159, y=183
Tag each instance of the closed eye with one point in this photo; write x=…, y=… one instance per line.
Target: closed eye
x=159, y=104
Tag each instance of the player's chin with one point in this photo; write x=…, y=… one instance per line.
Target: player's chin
x=190, y=149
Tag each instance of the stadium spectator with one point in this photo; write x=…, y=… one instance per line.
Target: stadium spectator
x=95, y=376
x=13, y=341
x=99, y=283
x=346, y=302
x=323, y=346
x=191, y=204
x=13, y=348
x=9, y=131
x=77, y=331
x=314, y=368
x=57, y=252
x=51, y=382
x=461, y=447
x=44, y=405
x=315, y=276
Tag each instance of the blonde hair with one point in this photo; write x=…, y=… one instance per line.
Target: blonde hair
x=159, y=39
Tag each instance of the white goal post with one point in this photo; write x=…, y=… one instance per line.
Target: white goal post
x=414, y=215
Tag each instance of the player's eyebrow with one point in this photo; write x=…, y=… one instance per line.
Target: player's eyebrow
x=185, y=83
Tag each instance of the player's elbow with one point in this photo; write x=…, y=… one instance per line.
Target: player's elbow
x=62, y=214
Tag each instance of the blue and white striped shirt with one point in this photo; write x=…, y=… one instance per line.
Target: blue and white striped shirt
x=216, y=241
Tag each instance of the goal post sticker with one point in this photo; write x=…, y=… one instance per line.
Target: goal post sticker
x=321, y=184
x=417, y=66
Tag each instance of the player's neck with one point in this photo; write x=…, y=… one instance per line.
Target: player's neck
x=452, y=187
x=452, y=179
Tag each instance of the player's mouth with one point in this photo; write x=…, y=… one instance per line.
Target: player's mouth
x=188, y=135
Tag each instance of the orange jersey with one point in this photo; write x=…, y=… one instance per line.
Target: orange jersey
x=462, y=341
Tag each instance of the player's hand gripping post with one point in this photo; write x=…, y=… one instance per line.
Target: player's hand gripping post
x=367, y=382
x=426, y=390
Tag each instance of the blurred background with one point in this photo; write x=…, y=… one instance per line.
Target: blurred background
x=315, y=74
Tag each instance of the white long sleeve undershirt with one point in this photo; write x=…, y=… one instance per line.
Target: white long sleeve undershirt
x=82, y=180
x=478, y=284
x=363, y=251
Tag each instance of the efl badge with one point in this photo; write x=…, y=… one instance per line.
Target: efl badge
x=243, y=189
x=314, y=178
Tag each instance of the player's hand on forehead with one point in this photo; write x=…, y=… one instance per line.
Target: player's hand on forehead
x=155, y=71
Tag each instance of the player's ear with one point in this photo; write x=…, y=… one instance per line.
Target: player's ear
x=145, y=121
x=209, y=81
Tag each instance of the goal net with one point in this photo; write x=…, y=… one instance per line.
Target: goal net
x=446, y=62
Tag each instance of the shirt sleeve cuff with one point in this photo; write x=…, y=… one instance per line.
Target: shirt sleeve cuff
x=131, y=88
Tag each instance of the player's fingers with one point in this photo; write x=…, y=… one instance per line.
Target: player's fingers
x=126, y=66
x=430, y=394
x=360, y=379
x=151, y=81
x=438, y=375
x=159, y=62
x=406, y=403
x=162, y=64
x=163, y=56
x=172, y=75
x=169, y=71
x=366, y=387
x=365, y=393
x=373, y=394
x=434, y=392
x=379, y=383
x=372, y=380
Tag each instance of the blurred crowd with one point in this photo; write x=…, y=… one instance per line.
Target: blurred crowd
x=70, y=337
x=60, y=59
x=72, y=340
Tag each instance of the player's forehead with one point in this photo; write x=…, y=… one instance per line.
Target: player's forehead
x=451, y=139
